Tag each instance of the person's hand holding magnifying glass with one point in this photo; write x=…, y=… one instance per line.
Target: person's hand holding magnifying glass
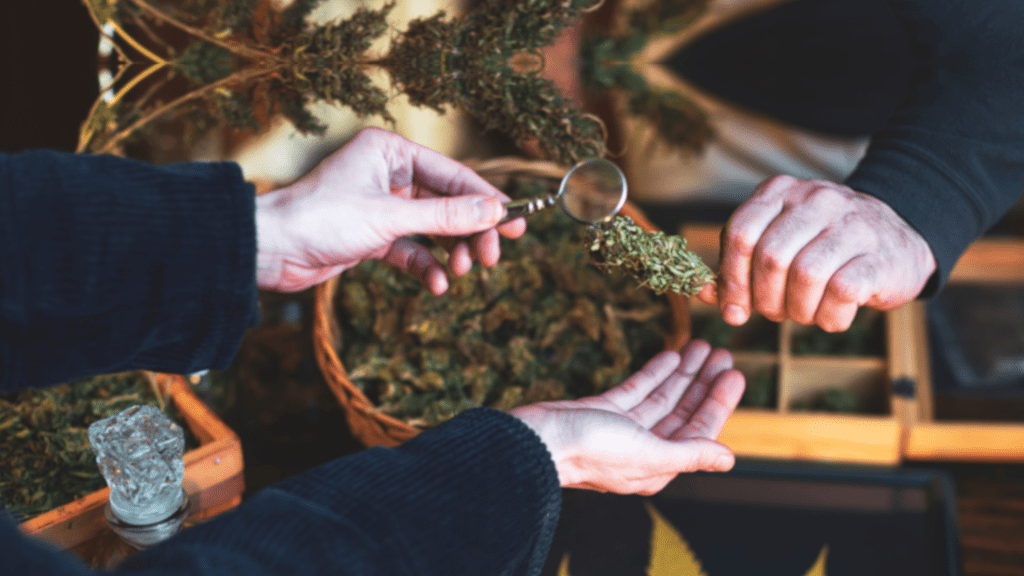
x=592, y=191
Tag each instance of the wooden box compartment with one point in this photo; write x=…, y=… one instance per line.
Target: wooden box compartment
x=806, y=380
x=930, y=435
x=893, y=380
x=213, y=478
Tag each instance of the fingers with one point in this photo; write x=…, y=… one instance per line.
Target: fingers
x=634, y=389
x=814, y=251
x=447, y=197
x=462, y=252
x=739, y=239
x=710, y=416
x=459, y=259
x=785, y=237
x=652, y=464
x=815, y=268
x=665, y=396
x=444, y=216
x=513, y=228
x=849, y=288
x=417, y=260
x=705, y=385
x=709, y=294
x=486, y=247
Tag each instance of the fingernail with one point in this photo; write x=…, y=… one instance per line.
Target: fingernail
x=488, y=210
x=733, y=314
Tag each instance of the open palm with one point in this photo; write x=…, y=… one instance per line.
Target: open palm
x=636, y=437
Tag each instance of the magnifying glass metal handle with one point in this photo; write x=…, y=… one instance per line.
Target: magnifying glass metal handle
x=527, y=206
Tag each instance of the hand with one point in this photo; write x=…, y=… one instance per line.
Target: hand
x=363, y=201
x=815, y=252
x=636, y=437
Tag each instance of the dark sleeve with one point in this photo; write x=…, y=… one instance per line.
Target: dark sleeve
x=951, y=159
x=476, y=495
x=108, y=264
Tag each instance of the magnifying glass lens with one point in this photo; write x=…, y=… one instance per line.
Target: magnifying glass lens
x=593, y=191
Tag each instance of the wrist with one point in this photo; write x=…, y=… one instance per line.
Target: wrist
x=268, y=234
x=546, y=429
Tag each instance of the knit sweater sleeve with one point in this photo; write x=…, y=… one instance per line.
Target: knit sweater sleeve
x=951, y=159
x=476, y=495
x=108, y=264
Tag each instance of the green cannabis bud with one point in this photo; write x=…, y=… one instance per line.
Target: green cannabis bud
x=656, y=260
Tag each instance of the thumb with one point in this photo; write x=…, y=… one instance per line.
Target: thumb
x=446, y=216
x=692, y=455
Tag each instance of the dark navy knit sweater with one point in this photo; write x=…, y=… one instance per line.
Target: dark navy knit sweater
x=109, y=264
x=950, y=161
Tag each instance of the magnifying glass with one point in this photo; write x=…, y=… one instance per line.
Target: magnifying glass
x=592, y=191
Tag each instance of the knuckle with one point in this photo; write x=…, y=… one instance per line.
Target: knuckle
x=847, y=289
x=776, y=184
x=632, y=384
x=448, y=214
x=823, y=192
x=806, y=275
x=460, y=181
x=372, y=133
x=740, y=240
x=771, y=261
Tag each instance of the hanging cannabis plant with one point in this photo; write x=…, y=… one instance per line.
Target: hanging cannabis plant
x=245, y=63
x=608, y=63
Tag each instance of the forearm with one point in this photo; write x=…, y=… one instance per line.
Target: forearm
x=477, y=495
x=951, y=160
x=109, y=264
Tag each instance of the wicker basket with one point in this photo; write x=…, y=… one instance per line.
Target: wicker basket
x=368, y=425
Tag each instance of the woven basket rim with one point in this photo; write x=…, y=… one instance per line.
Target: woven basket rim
x=370, y=426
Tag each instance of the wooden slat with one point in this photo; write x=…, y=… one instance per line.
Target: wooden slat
x=991, y=261
x=785, y=391
x=826, y=437
x=202, y=421
x=71, y=524
x=966, y=441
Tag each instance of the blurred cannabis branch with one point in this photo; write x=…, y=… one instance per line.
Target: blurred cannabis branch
x=246, y=63
x=608, y=62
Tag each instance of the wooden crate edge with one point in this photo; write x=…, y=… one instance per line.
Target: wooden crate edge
x=80, y=520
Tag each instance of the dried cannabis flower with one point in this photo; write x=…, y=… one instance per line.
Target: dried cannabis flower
x=542, y=324
x=46, y=460
x=656, y=260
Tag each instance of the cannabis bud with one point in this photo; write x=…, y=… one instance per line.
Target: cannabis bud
x=654, y=259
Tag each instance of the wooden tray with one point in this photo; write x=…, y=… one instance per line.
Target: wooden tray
x=908, y=428
x=213, y=477
x=786, y=433
x=989, y=262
